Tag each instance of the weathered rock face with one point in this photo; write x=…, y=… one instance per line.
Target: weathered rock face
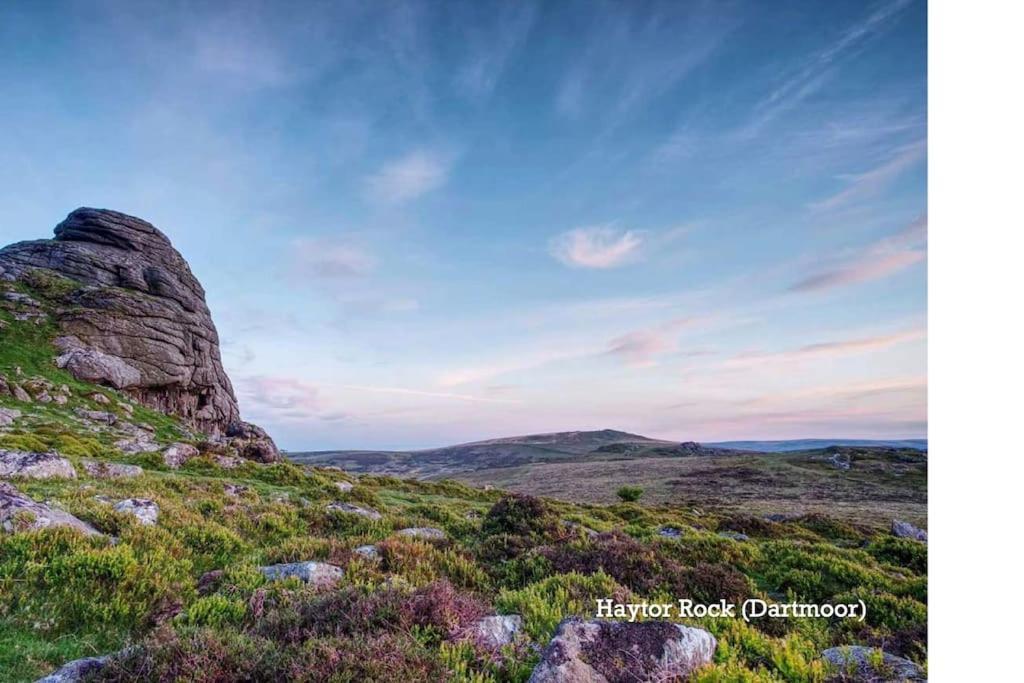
x=36, y=515
x=605, y=651
x=907, y=530
x=140, y=322
x=77, y=671
x=854, y=663
x=315, y=573
x=146, y=511
x=35, y=465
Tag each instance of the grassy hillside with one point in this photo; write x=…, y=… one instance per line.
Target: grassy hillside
x=184, y=599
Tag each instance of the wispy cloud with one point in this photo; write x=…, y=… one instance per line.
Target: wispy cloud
x=826, y=350
x=287, y=398
x=880, y=260
x=596, y=247
x=327, y=258
x=492, y=47
x=412, y=176
x=641, y=348
x=427, y=394
x=874, y=180
x=812, y=74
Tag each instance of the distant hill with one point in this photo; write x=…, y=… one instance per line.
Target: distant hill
x=808, y=444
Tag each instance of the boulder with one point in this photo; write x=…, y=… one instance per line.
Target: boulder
x=228, y=462
x=497, y=631
x=77, y=671
x=855, y=663
x=35, y=465
x=601, y=651
x=138, y=321
x=178, y=454
x=144, y=510
x=19, y=394
x=425, y=532
x=344, y=486
x=354, y=510
x=100, y=416
x=908, y=530
x=110, y=470
x=8, y=416
x=38, y=515
x=734, y=535
x=670, y=532
x=369, y=552
x=251, y=442
x=313, y=573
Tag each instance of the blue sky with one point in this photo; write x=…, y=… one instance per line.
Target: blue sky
x=422, y=223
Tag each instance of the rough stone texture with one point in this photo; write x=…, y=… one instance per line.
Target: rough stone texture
x=370, y=552
x=251, y=442
x=35, y=465
x=235, y=490
x=8, y=416
x=734, y=535
x=343, y=486
x=610, y=651
x=670, y=532
x=854, y=663
x=314, y=573
x=228, y=462
x=178, y=454
x=496, y=632
x=424, y=532
x=354, y=510
x=908, y=530
x=110, y=470
x=76, y=671
x=140, y=322
x=13, y=502
x=146, y=511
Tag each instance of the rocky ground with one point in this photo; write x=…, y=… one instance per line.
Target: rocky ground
x=143, y=539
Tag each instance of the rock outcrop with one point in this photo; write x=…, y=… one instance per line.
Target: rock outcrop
x=138, y=322
x=902, y=529
x=144, y=510
x=597, y=651
x=18, y=511
x=35, y=465
x=859, y=664
x=313, y=573
x=77, y=671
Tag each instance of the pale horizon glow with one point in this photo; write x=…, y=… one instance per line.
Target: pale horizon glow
x=420, y=224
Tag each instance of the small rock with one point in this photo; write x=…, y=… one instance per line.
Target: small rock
x=670, y=532
x=110, y=470
x=126, y=407
x=235, y=490
x=908, y=530
x=76, y=671
x=734, y=535
x=370, y=552
x=614, y=650
x=100, y=416
x=314, y=573
x=343, y=486
x=13, y=502
x=144, y=510
x=854, y=662
x=178, y=454
x=138, y=441
x=208, y=582
x=497, y=631
x=19, y=298
x=8, y=416
x=99, y=398
x=19, y=393
x=35, y=465
x=228, y=462
x=354, y=510
x=424, y=532
x=585, y=530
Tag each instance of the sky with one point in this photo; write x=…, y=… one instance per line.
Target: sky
x=422, y=223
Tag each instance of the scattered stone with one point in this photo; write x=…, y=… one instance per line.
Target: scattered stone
x=110, y=470
x=497, y=631
x=92, y=365
x=344, y=486
x=19, y=298
x=99, y=398
x=13, y=503
x=178, y=454
x=610, y=651
x=354, y=510
x=424, y=532
x=854, y=662
x=77, y=671
x=313, y=573
x=8, y=416
x=670, y=532
x=19, y=393
x=100, y=416
x=235, y=490
x=734, y=535
x=585, y=530
x=370, y=552
x=144, y=510
x=126, y=407
x=908, y=530
x=35, y=465
x=228, y=462
x=138, y=440
x=473, y=514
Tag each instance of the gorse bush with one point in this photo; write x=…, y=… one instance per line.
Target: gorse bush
x=630, y=494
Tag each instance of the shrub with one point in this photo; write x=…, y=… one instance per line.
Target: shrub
x=546, y=603
x=521, y=515
x=630, y=494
